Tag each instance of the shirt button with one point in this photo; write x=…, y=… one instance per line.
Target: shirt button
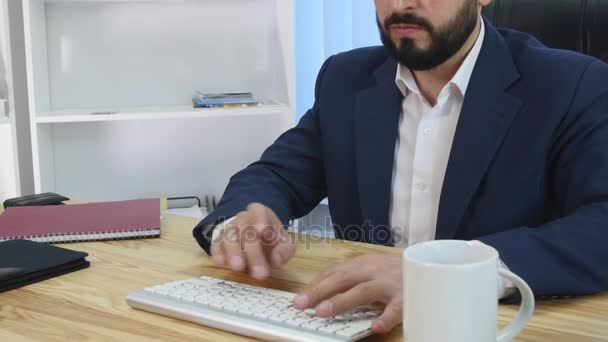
x=427, y=131
x=421, y=186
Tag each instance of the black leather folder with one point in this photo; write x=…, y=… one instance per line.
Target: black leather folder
x=24, y=262
x=47, y=198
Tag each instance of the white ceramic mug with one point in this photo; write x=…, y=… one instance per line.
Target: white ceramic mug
x=450, y=293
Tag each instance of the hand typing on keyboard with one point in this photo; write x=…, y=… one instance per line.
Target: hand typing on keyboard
x=362, y=280
x=250, y=310
x=254, y=240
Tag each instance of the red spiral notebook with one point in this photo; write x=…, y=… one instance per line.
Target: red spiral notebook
x=82, y=222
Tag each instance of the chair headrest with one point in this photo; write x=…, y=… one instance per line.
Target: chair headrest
x=578, y=25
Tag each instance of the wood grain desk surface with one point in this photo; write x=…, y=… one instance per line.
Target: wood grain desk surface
x=90, y=304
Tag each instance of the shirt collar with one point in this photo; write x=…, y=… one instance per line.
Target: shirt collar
x=407, y=83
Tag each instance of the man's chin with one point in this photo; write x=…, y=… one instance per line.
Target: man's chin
x=416, y=44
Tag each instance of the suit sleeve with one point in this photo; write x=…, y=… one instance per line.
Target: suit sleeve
x=569, y=256
x=289, y=178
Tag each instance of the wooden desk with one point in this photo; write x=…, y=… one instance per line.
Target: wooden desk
x=90, y=304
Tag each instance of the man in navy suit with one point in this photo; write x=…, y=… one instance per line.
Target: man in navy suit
x=452, y=130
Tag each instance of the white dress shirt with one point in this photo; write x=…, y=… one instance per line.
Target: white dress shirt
x=422, y=152
x=423, y=149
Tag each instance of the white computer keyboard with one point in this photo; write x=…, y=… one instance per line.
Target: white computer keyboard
x=249, y=310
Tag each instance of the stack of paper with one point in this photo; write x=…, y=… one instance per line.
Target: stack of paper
x=194, y=212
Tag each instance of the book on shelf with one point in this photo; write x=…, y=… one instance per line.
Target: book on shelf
x=197, y=104
x=225, y=100
x=224, y=96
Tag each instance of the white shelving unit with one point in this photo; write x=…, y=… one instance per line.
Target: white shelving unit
x=4, y=118
x=3, y=111
x=110, y=85
x=9, y=170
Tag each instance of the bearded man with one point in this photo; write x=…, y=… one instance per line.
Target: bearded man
x=452, y=130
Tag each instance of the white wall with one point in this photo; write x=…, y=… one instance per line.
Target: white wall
x=324, y=28
x=8, y=181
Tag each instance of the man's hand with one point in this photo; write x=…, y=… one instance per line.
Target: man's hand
x=255, y=240
x=363, y=280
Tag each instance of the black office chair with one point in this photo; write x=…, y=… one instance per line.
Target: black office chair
x=578, y=25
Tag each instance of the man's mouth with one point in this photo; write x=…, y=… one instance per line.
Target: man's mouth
x=405, y=30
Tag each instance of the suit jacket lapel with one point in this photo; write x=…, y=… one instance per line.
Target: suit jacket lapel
x=377, y=112
x=486, y=115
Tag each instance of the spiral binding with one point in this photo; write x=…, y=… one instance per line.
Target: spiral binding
x=99, y=236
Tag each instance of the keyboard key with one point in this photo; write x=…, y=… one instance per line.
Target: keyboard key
x=343, y=317
x=312, y=312
x=277, y=319
x=287, y=316
x=188, y=298
x=244, y=311
x=313, y=325
x=297, y=321
x=360, y=315
x=231, y=308
x=261, y=314
x=348, y=332
x=216, y=305
x=202, y=300
x=362, y=325
x=332, y=328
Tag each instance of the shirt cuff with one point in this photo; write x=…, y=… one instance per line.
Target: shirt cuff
x=505, y=286
x=220, y=228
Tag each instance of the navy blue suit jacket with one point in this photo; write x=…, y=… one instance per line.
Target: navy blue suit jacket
x=527, y=174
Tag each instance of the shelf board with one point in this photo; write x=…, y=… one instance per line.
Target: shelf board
x=5, y=120
x=90, y=1
x=155, y=113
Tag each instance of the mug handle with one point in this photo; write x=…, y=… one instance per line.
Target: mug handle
x=525, y=310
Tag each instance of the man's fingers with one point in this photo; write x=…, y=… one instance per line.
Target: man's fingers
x=231, y=245
x=254, y=240
x=325, y=273
x=335, y=283
x=283, y=250
x=278, y=244
x=364, y=293
x=256, y=259
x=391, y=316
x=302, y=301
x=272, y=226
x=217, y=254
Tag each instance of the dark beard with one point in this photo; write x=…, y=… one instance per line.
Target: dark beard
x=445, y=41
